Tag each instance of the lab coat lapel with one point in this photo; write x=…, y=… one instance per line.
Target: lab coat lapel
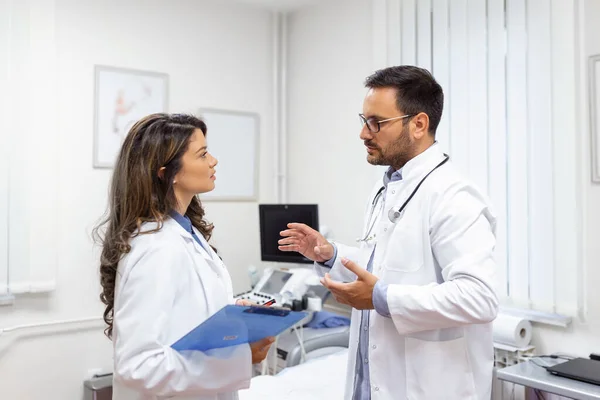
x=218, y=266
x=209, y=254
x=212, y=281
x=421, y=165
x=204, y=250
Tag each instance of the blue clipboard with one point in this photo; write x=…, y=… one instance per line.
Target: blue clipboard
x=233, y=325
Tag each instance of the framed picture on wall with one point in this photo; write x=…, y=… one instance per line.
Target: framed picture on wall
x=123, y=96
x=233, y=138
x=595, y=115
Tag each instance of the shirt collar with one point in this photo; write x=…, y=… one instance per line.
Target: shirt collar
x=182, y=220
x=391, y=175
x=412, y=165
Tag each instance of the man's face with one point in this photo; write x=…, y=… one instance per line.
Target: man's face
x=393, y=144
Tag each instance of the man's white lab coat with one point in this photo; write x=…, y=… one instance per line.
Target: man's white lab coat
x=438, y=262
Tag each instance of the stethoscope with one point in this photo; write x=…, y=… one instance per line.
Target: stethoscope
x=395, y=212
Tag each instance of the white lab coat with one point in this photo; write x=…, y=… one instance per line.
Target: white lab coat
x=166, y=285
x=437, y=260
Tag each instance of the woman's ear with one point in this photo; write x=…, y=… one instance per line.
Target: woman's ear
x=161, y=172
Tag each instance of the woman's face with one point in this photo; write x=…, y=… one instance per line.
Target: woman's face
x=197, y=174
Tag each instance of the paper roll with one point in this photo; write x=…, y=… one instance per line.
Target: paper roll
x=512, y=331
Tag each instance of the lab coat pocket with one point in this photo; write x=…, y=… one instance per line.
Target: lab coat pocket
x=438, y=370
x=404, y=251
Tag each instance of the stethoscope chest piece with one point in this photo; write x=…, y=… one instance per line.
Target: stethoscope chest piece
x=395, y=214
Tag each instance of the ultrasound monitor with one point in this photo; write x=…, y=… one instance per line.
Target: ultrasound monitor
x=273, y=218
x=276, y=282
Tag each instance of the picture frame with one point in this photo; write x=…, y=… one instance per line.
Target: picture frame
x=594, y=78
x=122, y=96
x=233, y=137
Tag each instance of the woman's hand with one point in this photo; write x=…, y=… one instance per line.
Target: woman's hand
x=260, y=349
x=244, y=302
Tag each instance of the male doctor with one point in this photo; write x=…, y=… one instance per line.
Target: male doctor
x=421, y=281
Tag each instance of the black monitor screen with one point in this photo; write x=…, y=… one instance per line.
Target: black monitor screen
x=274, y=219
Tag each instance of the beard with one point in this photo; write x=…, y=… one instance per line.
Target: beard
x=395, y=154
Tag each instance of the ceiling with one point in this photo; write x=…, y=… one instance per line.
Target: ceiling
x=280, y=5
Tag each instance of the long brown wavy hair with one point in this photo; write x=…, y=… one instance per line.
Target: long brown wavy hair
x=138, y=194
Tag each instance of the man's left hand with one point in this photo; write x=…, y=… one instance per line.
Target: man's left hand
x=357, y=294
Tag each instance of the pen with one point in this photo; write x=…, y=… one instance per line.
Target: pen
x=270, y=302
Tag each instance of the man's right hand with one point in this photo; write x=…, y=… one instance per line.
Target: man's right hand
x=260, y=349
x=306, y=241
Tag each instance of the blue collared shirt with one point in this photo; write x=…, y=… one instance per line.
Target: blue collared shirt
x=362, y=379
x=186, y=223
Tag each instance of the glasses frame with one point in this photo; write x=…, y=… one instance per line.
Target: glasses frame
x=365, y=121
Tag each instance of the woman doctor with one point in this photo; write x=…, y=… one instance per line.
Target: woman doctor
x=160, y=277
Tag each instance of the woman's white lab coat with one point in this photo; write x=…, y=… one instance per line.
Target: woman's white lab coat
x=437, y=259
x=166, y=285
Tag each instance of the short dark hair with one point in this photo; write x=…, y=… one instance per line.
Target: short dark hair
x=416, y=91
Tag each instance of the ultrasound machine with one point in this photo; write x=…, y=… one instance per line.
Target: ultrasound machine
x=289, y=284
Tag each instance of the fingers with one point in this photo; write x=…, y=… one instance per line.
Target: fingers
x=332, y=285
x=289, y=244
x=325, y=280
x=260, y=349
x=336, y=286
x=303, y=228
x=338, y=290
x=353, y=267
x=291, y=247
x=266, y=348
x=292, y=233
x=340, y=297
x=262, y=343
x=289, y=240
x=266, y=342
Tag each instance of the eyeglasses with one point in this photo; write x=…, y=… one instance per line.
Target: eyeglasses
x=374, y=126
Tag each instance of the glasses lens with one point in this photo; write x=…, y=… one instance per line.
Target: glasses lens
x=372, y=125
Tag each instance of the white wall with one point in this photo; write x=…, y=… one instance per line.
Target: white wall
x=217, y=55
x=329, y=57
x=328, y=63
x=583, y=337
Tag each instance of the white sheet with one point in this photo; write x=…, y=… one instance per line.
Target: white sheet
x=320, y=378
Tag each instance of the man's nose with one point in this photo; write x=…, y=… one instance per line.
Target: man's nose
x=365, y=133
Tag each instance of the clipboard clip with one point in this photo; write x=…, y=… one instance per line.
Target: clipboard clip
x=276, y=312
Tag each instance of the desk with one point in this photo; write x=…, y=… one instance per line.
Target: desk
x=533, y=376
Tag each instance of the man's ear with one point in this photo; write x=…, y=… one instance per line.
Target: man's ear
x=421, y=123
